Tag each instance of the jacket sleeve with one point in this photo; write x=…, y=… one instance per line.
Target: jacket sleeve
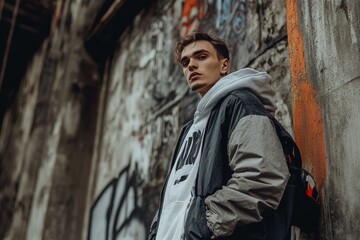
x=153, y=228
x=258, y=181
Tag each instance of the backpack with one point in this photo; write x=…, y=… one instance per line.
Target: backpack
x=306, y=206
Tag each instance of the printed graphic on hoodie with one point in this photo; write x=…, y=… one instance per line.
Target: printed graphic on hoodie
x=188, y=156
x=180, y=185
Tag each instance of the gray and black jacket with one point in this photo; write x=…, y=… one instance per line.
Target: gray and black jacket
x=242, y=176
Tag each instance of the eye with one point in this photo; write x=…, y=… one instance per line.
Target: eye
x=184, y=63
x=202, y=56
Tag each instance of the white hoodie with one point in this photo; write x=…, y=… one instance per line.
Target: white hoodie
x=179, y=189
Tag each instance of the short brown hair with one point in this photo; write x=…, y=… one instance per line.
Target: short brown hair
x=219, y=45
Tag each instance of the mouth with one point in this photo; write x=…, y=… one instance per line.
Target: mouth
x=193, y=76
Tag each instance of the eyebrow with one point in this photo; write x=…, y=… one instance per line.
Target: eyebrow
x=194, y=53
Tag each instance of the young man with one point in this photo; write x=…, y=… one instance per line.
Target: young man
x=229, y=172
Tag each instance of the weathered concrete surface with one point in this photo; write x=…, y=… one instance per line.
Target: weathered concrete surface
x=139, y=124
x=329, y=32
x=14, y=136
x=79, y=146
x=276, y=62
x=47, y=136
x=74, y=140
x=341, y=214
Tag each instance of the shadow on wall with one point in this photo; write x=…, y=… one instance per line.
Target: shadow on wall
x=115, y=214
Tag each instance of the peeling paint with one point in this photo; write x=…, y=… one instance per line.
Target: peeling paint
x=308, y=124
x=145, y=59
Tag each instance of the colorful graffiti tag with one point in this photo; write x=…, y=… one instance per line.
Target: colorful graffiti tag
x=225, y=17
x=115, y=213
x=192, y=13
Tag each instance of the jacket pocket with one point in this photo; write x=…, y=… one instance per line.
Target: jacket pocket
x=195, y=225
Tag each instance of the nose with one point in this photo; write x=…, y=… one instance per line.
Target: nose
x=192, y=64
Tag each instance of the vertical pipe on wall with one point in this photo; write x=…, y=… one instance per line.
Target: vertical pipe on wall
x=308, y=124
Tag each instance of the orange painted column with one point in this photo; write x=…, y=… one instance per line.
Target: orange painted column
x=308, y=124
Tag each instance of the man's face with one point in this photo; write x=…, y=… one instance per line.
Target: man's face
x=201, y=66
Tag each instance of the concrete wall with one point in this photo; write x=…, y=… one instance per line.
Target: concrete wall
x=47, y=134
x=324, y=43
x=85, y=148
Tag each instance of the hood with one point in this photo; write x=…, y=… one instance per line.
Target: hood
x=257, y=82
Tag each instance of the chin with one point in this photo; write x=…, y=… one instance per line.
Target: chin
x=196, y=87
x=199, y=90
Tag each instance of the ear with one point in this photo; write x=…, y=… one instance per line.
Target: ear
x=225, y=66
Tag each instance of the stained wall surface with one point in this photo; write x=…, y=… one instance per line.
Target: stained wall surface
x=86, y=146
x=46, y=140
x=324, y=43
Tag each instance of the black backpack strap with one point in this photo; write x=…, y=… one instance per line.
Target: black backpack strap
x=306, y=206
x=290, y=148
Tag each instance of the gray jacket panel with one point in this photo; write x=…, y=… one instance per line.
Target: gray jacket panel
x=258, y=181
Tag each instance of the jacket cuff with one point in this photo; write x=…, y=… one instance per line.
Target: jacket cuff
x=215, y=228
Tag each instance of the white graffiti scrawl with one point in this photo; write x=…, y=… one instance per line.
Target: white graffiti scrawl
x=115, y=214
x=231, y=18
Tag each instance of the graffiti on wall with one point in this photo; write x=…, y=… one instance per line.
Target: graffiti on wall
x=192, y=13
x=228, y=17
x=116, y=213
x=230, y=20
